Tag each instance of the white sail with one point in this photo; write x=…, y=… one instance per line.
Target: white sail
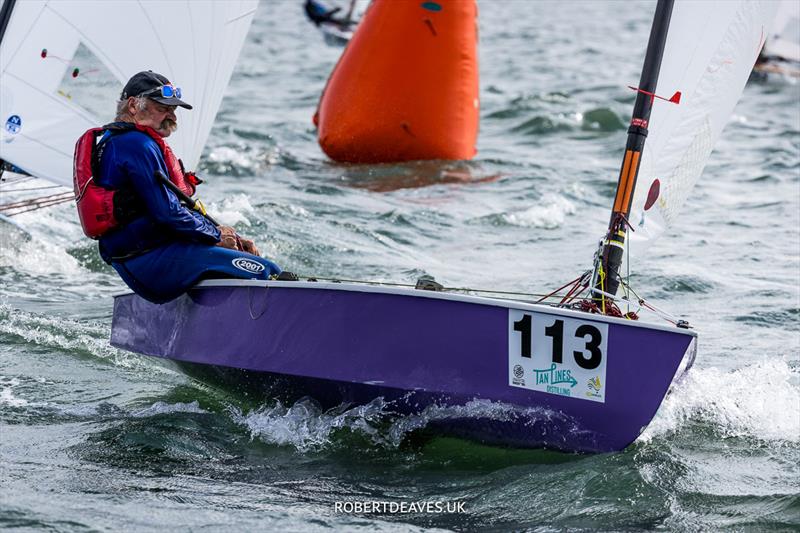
x=710, y=50
x=44, y=107
x=784, y=37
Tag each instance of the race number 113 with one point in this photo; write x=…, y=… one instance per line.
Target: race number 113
x=558, y=355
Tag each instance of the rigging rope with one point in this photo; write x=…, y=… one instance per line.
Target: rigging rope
x=573, y=283
x=9, y=191
x=669, y=317
x=32, y=204
x=14, y=179
x=577, y=288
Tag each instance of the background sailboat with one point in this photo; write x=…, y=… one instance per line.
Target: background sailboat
x=781, y=54
x=63, y=65
x=336, y=23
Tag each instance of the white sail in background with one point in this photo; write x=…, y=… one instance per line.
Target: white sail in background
x=784, y=36
x=710, y=50
x=45, y=104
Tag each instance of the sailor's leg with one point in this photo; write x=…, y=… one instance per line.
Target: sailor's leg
x=167, y=272
x=225, y=263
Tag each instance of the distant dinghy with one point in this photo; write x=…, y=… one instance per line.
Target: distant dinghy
x=406, y=87
x=781, y=53
x=336, y=30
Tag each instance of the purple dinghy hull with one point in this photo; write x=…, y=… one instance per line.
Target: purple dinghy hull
x=530, y=375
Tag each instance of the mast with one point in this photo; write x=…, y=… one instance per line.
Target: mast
x=349, y=14
x=608, y=262
x=5, y=16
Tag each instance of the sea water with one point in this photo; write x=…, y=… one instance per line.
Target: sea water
x=93, y=438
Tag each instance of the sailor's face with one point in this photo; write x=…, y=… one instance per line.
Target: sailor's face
x=160, y=117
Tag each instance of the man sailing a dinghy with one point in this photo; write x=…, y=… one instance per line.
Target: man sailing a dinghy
x=159, y=247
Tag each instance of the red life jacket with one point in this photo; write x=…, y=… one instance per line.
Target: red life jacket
x=96, y=203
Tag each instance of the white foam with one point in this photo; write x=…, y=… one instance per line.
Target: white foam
x=37, y=257
x=7, y=395
x=56, y=225
x=161, y=408
x=232, y=210
x=245, y=158
x=231, y=156
x=297, y=211
x=550, y=213
x=65, y=334
x=739, y=119
x=7, y=398
x=305, y=426
x=761, y=401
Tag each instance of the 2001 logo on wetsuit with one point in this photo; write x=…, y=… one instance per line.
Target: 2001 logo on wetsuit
x=248, y=265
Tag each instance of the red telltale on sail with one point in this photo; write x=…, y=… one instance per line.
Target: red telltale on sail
x=675, y=98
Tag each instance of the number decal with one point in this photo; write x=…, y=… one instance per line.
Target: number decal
x=592, y=345
x=556, y=331
x=524, y=327
x=558, y=354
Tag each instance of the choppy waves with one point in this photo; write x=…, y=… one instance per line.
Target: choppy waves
x=115, y=441
x=759, y=401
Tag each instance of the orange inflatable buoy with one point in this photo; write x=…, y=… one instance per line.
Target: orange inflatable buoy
x=406, y=87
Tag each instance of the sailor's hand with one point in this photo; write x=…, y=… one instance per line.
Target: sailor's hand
x=248, y=246
x=228, y=238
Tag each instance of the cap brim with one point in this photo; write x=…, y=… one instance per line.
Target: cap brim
x=170, y=101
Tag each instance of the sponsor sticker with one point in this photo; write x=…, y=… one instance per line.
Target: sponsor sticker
x=557, y=355
x=248, y=265
x=13, y=124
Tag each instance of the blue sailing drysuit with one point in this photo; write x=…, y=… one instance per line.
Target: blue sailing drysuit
x=163, y=248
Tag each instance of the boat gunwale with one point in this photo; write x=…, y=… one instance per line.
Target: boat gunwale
x=435, y=295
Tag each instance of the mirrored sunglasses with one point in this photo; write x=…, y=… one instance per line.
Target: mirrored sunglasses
x=165, y=91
